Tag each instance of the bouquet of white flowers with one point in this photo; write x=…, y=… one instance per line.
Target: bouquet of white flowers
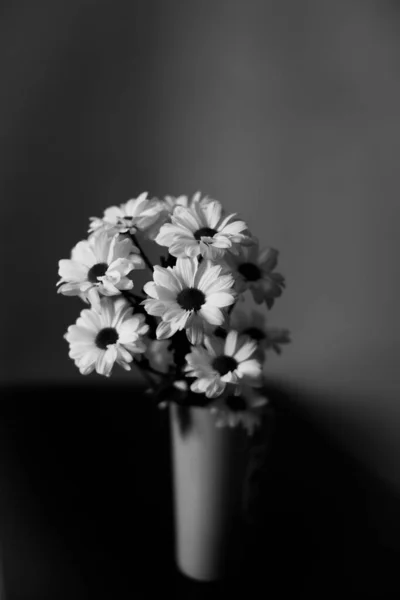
x=186, y=329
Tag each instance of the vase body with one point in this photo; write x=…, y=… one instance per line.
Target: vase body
x=208, y=465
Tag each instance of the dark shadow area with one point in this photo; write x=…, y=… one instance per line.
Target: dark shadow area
x=86, y=484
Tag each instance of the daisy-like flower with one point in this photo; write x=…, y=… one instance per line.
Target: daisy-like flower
x=159, y=355
x=202, y=229
x=246, y=409
x=100, y=265
x=254, y=325
x=103, y=337
x=189, y=296
x=223, y=362
x=254, y=270
x=141, y=213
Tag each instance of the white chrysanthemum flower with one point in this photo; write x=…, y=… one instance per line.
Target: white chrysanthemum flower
x=139, y=213
x=254, y=325
x=254, y=270
x=100, y=265
x=201, y=229
x=223, y=362
x=159, y=355
x=188, y=296
x=168, y=204
x=103, y=337
x=246, y=409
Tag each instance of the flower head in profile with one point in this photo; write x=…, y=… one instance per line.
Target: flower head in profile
x=245, y=409
x=189, y=296
x=255, y=270
x=99, y=266
x=254, y=325
x=141, y=213
x=100, y=338
x=171, y=202
x=221, y=363
x=201, y=229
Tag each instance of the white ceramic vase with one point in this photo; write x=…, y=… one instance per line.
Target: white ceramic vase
x=208, y=465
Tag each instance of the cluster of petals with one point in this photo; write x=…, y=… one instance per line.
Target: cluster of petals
x=105, y=336
x=202, y=229
x=221, y=363
x=138, y=214
x=246, y=409
x=253, y=324
x=99, y=266
x=190, y=296
x=254, y=270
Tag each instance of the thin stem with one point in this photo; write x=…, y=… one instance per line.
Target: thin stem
x=132, y=298
x=145, y=258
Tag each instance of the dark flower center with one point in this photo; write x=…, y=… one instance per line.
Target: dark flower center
x=98, y=270
x=236, y=403
x=255, y=333
x=250, y=271
x=191, y=299
x=106, y=336
x=221, y=333
x=223, y=364
x=204, y=232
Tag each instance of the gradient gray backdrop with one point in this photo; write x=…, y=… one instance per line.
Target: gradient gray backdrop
x=286, y=111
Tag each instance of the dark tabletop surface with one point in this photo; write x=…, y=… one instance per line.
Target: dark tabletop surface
x=86, y=505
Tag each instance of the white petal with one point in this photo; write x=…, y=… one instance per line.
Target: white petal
x=195, y=330
x=70, y=289
x=268, y=259
x=247, y=349
x=154, y=307
x=214, y=345
x=212, y=314
x=107, y=312
x=213, y=211
x=231, y=342
x=165, y=330
x=221, y=283
x=166, y=278
x=90, y=319
x=250, y=368
x=172, y=312
x=166, y=295
x=185, y=248
x=107, y=288
x=206, y=275
x=123, y=354
x=200, y=385
x=216, y=388
x=83, y=253
x=186, y=269
x=186, y=217
x=112, y=214
x=150, y=288
x=106, y=360
x=81, y=334
x=72, y=270
x=234, y=228
x=221, y=299
x=127, y=331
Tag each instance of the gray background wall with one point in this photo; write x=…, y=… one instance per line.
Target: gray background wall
x=286, y=111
